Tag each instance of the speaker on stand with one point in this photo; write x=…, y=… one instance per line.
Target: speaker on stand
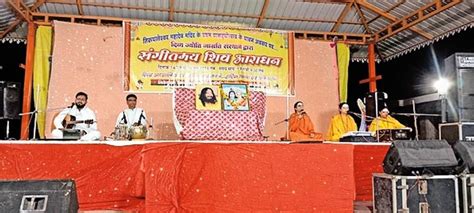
x=10, y=104
x=375, y=102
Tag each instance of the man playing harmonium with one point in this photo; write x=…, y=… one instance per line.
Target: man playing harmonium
x=341, y=123
x=385, y=121
x=77, y=118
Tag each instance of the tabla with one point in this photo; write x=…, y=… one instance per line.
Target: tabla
x=137, y=132
x=121, y=132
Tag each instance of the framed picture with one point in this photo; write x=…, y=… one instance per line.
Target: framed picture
x=208, y=97
x=235, y=97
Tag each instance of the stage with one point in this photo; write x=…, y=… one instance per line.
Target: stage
x=202, y=176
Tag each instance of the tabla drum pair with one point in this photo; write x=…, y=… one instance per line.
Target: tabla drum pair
x=123, y=132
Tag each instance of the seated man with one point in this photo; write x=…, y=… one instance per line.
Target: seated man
x=79, y=117
x=132, y=116
x=341, y=123
x=300, y=126
x=385, y=121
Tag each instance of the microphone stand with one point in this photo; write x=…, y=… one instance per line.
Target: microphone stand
x=279, y=122
x=415, y=119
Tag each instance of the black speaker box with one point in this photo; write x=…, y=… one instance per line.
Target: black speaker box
x=374, y=102
x=420, y=157
x=459, y=69
x=38, y=196
x=10, y=105
x=464, y=152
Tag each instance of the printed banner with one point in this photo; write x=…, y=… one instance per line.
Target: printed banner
x=162, y=56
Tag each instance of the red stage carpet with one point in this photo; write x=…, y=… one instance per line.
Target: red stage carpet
x=201, y=177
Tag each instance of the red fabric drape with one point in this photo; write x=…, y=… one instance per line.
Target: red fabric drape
x=194, y=177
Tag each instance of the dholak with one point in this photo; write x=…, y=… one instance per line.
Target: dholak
x=121, y=132
x=138, y=132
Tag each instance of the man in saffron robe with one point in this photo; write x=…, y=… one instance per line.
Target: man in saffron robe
x=341, y=123
x=300, y=126
x=385, y=121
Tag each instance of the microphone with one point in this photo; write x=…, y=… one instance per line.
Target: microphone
x=124, y=119
x=140, y=119
x=72, y=105
x=303, y=112
x=361, y=115
x=354, y=113
x=284, y=120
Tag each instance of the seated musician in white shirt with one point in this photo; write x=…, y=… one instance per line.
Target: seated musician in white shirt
x=132, y=116
x=77, y=117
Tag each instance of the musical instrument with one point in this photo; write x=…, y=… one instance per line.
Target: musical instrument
x=357, y=136
x=70, y=121
x=394, y=134
x=138, y=132
x=121, y=132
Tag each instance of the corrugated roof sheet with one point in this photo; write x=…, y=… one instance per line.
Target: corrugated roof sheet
x=291, y=15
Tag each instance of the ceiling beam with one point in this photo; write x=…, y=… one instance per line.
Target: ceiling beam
x=387, y=11
x=79, y=7
x=414, y=18
x=362, y=18
x=347, y=38
x=10, y=28
x=342, y=16
x=309, y=20
x=262, y=13
x=22, y=11
x=195, y=12
x=46, y=18
x=392, y=18
x=37, y=4
x=171, y=12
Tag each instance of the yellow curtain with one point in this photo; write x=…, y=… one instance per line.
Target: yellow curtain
x=41, y=74
x=343, y=56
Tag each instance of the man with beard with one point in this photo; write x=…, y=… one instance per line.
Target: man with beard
x=208, y=100
x=77, y=117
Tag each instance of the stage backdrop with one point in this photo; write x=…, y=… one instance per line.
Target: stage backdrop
x=161, y=56
x=90, y=59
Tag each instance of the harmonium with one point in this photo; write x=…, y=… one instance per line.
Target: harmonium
x=357, y=136
x=394, y=134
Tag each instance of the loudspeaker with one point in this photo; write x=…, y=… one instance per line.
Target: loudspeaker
x=464, y=152
x=10, y=105
x=419, y=158
x=454, y=132
x=459, y=69
x=372, y=106
x=38, y=196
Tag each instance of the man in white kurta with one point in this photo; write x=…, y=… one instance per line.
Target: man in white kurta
x=132, y=116
x=82, y=113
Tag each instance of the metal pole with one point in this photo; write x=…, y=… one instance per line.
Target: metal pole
x=415, y=119
x=377, y=116
x=443, y=108
x=8, y=130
